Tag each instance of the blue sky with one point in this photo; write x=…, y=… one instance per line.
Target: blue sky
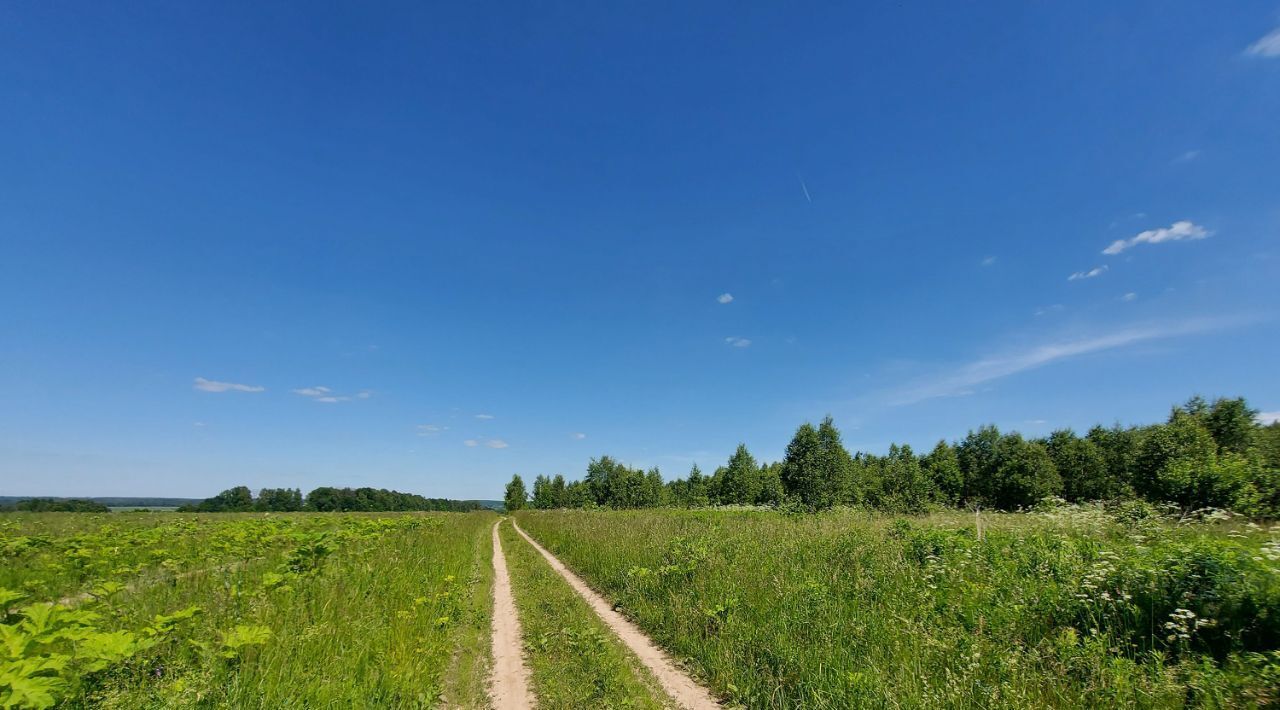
x=424, y=247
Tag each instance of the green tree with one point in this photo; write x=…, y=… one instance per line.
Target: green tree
x=654, y=492
x=906, y=486
x=1082, y=467
x=559, y=497
x=542, y=498
x=942, y=467
x=771, y=489
x=739, y=480
x=695, y=490
x=1119, y=449
x=1231, y=423
x=802, y=468
x=1172, y=458
x=1022, y=474
x=978, y=462
x=838, y=484
x=577, y=494
x=238, y=499
x=516, y=497
x=278, y=500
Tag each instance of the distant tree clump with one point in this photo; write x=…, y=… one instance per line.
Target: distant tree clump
x=1207, y=454
x=324, y=499
x=60, y=505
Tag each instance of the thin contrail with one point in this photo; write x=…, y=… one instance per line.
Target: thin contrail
x=805, y=188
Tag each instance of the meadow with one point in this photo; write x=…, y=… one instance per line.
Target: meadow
x=1073, y=607
x=158, y=610
x=1070, y=606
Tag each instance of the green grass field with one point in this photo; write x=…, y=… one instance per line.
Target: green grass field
x=1077, y=607
x=845, y=609
x=270, y=611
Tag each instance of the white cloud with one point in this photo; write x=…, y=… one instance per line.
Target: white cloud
x=496, y=444
x=214, y=386
x=1091, y=273
x=430, y=429
x=326, y=395
x=470, y=442
x=963, y=380
x=737, y=342
x=578, y=435
x=198, y=425
x=484, y=416
x=1187, y=157
x=1176, y=232
x=1131, y=296
x=1265, y=418
x=1045, y=310
x=725, y=298
x=1268, y=46
x=989, y=261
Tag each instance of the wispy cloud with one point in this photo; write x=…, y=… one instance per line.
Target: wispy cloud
x=1176, y=232
x=470, y=442
x=725, y=298
x=326, y=395
x=988, y=261
x=1265, y=418
x=1186, y=157
x=1046, y=310
x=496, y=444
x=964, y=379
x=1091, y=273
x=577, y=435
x=215, y=386
x=484, y=416
x=1131, y=296
x=1268, y=46
x=430, y=429
x=737, y=342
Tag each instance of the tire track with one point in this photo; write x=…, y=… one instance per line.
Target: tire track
x=509, y=682
x=678, y=684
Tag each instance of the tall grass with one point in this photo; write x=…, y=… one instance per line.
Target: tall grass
x=313, y=611
x=848, y=609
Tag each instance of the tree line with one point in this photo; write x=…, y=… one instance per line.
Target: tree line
x=324, y=499
x=1206, y=454
x=56, y=505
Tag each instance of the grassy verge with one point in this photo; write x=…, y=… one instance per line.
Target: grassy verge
x=847, y=609
x=576, y=662
x=466, y=681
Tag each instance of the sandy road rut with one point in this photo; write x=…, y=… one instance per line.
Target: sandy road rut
x=509, y=683
x=677, y=683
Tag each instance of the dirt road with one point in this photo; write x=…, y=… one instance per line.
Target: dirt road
x=509, y=683
x=682, y=688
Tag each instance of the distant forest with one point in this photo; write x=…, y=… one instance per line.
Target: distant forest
x=1205, y=455
x=55, y=505
x=324, y=500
